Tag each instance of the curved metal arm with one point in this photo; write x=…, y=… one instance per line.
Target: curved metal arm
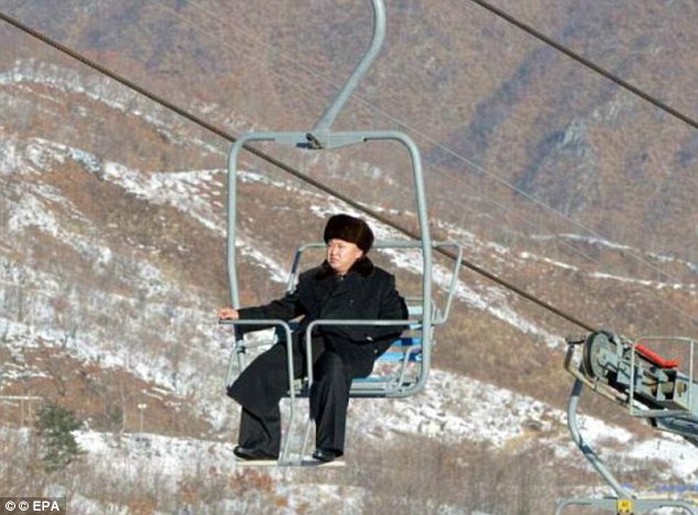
x=588, y=452
x=324, y=123
x=231, y=259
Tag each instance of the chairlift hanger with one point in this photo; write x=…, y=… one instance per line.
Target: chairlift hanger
x=424, y=313
x=321, y=137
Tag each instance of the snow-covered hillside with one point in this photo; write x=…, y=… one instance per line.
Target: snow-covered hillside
x=70, y=285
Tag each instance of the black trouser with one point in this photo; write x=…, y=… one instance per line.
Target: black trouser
x=261, y=386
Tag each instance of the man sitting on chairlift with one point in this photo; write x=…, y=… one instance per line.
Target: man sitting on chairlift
x=347, y=285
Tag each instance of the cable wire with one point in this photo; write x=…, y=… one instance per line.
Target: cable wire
x=373, y=109
x=331, y=191
x=587, y=63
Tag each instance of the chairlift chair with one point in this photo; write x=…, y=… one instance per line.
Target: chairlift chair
x=411, y=353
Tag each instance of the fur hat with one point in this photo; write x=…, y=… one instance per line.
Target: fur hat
x=351, y=229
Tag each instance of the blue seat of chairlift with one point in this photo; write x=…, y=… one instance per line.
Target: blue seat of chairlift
x=406, y=349
x=412, y=345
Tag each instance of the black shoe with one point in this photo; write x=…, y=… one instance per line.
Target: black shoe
x=326, y=455
x=245, y=453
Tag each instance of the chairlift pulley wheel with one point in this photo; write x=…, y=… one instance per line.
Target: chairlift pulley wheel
x=596, y=346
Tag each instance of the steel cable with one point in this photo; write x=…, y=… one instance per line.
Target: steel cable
x=331, y=191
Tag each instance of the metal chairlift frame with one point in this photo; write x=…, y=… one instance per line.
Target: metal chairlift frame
x=321, y=137
x=625, y=502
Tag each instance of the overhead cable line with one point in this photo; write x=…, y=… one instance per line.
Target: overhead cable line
x=589, y=64
x=425, y=136
x=405, y=125
x=399, y=122
x=283, y=166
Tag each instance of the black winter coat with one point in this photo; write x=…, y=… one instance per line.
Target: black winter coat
x=365, y=292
